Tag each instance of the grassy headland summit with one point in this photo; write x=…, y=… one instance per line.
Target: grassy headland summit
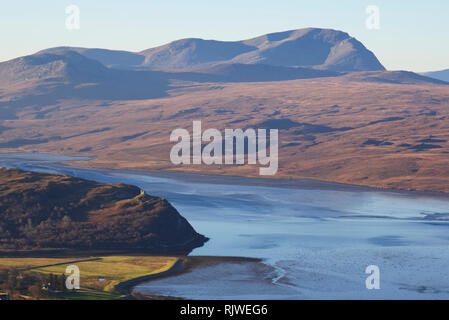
x=40, y=211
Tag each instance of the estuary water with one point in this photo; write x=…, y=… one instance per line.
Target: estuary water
x=315, y=239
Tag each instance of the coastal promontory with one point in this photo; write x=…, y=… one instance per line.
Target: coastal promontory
x=52, y=211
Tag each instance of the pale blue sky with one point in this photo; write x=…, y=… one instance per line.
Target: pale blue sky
x=413, y=34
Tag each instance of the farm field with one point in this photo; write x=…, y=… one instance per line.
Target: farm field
x=98, y=275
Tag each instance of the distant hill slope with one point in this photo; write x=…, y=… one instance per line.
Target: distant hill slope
x=39, y=210
x=440, y=75
x=238, y=72
x=312, y=47
x=394, y=77
x=110, y=58
x=47, y=77
x=64, y=66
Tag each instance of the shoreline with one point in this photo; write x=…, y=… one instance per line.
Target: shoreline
x=126, y=289
x=280, y=182
x=182, y=266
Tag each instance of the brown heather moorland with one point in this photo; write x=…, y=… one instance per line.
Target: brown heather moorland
x=353, y=129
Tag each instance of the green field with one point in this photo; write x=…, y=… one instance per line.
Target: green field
x=99, y=275
x=22, y=263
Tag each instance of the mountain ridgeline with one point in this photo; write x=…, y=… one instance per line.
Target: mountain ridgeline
x=73, y=72
x=320, y=48
x=312, y=47
x=43, y=211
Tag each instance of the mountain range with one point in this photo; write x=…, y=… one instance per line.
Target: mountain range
x=100, y=73
x=318, y=48
x=342, y=116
